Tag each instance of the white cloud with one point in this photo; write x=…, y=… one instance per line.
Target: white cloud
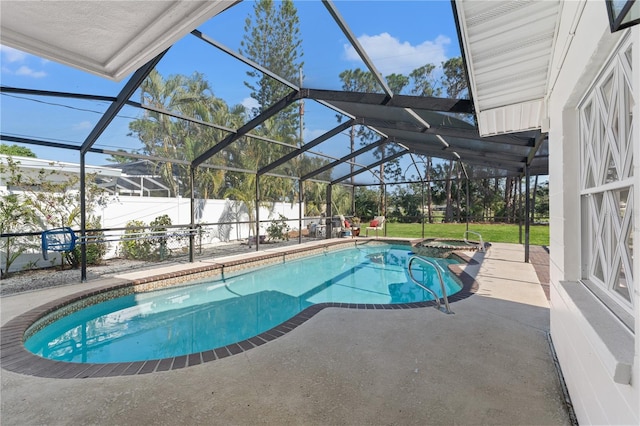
x=9, y=54
x=14, y=62
x=26, y=71
x=250, y=103
x=83, y=125
x=390, y=55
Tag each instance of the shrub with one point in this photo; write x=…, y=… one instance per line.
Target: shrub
x=159, y=241
x=279, y=230
x=135, y=243
x=95, y=250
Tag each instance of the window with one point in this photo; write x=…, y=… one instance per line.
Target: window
x=607, y=190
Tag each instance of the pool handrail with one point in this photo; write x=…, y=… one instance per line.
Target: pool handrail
x=480, y=245
x=447, y=309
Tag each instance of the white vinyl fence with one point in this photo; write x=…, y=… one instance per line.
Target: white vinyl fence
x=229, y=218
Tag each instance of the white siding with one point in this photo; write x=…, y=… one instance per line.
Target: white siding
x=586, y=360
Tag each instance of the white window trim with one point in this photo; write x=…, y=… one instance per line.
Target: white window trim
x=605, y=291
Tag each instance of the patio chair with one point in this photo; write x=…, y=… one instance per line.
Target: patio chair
x=376, y=224
x=345, y=228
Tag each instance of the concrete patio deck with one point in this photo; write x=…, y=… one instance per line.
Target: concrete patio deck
x=490, y=363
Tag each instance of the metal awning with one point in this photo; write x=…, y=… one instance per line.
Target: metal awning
x=440, y=128
x=508, y=48
x=111, y=38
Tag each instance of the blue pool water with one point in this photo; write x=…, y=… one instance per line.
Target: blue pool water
x=218, y=312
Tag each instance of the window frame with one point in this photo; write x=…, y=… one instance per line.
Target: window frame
x=605, y=170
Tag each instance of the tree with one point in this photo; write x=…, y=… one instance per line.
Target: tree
x=541, y=200
x=15, y=216
x=314, y=198
x=341, y=199
x=397, y=82
x=48, y=199
x=358, y=80
x=164, y=136
x=428, y=173
x=366, y=202
x=272, y=39
x=420, y=82
x=423, y=81
x=407, y=202
x=454, y=85
x=119, y=159
x=16, y=151
x=453, y=80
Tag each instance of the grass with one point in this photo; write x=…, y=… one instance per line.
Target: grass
x=499, y=233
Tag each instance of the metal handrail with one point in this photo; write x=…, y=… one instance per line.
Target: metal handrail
x=481, y=245
x=442, y=287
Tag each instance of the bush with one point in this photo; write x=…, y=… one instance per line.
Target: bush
x=95, y=254
x=135, y=244
x=95, y=250
x=279, y=230
x=159, y=241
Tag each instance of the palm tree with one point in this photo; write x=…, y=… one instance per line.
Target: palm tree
x=165, y=136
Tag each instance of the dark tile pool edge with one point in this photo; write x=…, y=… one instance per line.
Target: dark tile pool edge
x=16, y=358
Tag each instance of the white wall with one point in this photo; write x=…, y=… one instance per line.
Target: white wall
x=122, y=209
x=587, y=352
x=125, y=208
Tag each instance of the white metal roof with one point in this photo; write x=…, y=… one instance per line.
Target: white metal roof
x=30, y=167
x=508, y=47
x=107, y=38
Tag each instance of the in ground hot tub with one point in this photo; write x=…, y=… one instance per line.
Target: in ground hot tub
x=443, y=247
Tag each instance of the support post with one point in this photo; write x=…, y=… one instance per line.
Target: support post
x=300, y=201
x=384, y=205
x=468, y=203
x=257, y=213
x=83, y=220
x=328, y=219
x=353, y=199
x=527, y=215
x=520, y=205
x=192, y=215
x=422, y=207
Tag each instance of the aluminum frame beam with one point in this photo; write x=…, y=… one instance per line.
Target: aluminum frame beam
x=536, y=147
x=370, y=166
x=399, y=101
x=203, y=123
x=356, y=45
x=344, y=159
x=446, y=131
x=252, y=124
x=127, y=91
x=244, y=59
x=306, y=147
x=37, y=92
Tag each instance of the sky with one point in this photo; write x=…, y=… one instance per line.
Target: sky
x=399, y=36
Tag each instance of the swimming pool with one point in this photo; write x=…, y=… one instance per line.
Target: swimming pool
x=219, y=312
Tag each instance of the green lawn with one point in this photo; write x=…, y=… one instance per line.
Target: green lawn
x=503, y=233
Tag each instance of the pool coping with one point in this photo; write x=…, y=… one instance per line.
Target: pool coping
x=16, y=358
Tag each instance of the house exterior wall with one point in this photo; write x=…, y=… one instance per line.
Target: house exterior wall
x=598, y=353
